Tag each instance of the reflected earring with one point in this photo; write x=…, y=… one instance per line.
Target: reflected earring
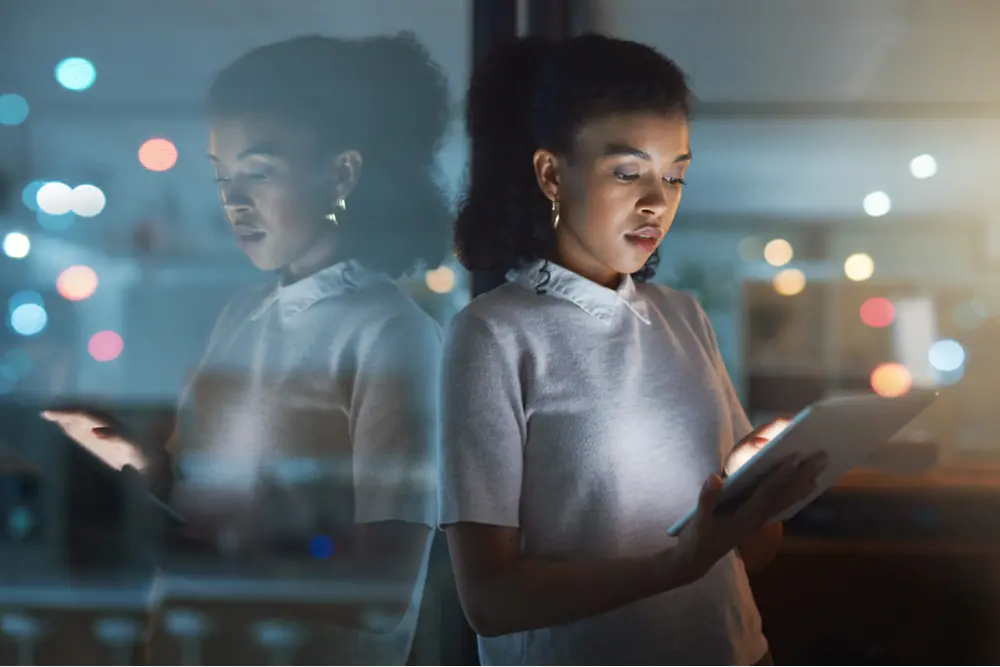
x=555, y=214
x=341, y=203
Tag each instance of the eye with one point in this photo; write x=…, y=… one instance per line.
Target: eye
x=625, y=176
x=675, y=180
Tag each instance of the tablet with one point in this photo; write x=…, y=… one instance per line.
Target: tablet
x=848, y=428
x=79, y=427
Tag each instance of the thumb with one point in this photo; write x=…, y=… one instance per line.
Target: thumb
x=711, y=490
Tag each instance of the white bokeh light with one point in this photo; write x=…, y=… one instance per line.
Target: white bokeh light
x=923, y=166
x=88, y=200
x=16, y=245
x=947, y=355
x=877, y=204
x=55, y=198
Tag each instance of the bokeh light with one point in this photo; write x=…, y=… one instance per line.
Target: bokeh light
x=158, y=154
x=88, y=200
x=76, y=74
x=14, y=109
x=923, y=166
x=877, y=312
x=778, y=252
x=877, y=204
x=946, y=355
x=29, y=195
x=77, y=283
x=55, y=223
x=321, y=547
x=23, y=297
x=891, y=380
x=16, y=245
x=55, y=198
x=441, y=280
x=28, y=319
x=859, y=266
x=105, y=346
x=789, y=282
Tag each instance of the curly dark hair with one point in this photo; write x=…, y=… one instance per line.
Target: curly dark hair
x=534, y=93
x=382, y=96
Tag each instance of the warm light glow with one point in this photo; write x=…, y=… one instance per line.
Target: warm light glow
x=778, y=252
x=105, y=346
x=923, y=166
x=877, y=312
x=891, y=380
x=877, y=204
x=158, y=154
x=859, y=266
x=77, y=283
x=441, y=280
x=789, y=282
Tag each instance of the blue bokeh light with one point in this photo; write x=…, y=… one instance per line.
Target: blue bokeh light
x=76, y=74
x=321, y=547
x=55, y=223
x=29, y=319
x=947, y=355
x=23, y=297
x=29, y=195
x=14, y=109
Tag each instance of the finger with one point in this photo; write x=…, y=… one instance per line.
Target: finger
x=711, y=490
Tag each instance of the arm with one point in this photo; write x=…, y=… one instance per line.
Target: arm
x=502, y=591
x=761, y=547
x=394, y=430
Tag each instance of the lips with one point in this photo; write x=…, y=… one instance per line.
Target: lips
x=248, y=234
x=652, y=232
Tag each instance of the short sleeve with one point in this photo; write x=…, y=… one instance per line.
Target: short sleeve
x=741, y=423
x=395, y=422
x=483, y=429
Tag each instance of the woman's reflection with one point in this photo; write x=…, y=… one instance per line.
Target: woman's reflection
x=309, y=432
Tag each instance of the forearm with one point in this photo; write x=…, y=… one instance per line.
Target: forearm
x=534, y=593
x=759, y=549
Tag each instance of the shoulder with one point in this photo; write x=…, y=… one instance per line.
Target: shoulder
x=500, y=314
x=679, y=309
x=243, y=303
x=384, y=317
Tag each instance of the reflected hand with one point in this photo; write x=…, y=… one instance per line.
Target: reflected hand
x=100, y=435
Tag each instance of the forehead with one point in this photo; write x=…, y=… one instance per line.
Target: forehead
x=664, y=136
x=230, y=136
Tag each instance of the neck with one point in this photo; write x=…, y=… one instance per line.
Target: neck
x=317, y=257
x=571, y=254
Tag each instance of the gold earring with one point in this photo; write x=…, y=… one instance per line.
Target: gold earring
x=555, y=214
x=341, y=203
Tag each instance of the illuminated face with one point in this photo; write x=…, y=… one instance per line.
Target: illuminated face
x=618, y=192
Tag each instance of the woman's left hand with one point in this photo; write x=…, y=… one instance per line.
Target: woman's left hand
x=753, y=443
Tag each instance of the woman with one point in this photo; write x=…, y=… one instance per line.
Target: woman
x=309, y=429
x=586, y=409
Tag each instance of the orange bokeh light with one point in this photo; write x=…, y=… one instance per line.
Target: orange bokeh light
x=877, y=312
x=77, y=283
x=158, y=154
x=891, y=380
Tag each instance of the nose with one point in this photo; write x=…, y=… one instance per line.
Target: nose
x=234, y=197
x=657, y=199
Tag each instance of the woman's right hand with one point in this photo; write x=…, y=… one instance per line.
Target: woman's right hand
x=710, y=535
x=99, y=434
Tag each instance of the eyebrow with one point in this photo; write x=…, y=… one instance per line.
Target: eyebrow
x=264, y=150
x=631, y=151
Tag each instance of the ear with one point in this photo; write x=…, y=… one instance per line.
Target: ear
x=346, y=172
x=547, y=167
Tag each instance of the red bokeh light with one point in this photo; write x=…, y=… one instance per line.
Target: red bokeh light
x=877, y=312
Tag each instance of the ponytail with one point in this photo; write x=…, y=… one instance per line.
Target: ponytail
x=503, y=193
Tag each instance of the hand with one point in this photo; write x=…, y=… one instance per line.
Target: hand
x=711, y=534
x=100, y=435
x=753, y=443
